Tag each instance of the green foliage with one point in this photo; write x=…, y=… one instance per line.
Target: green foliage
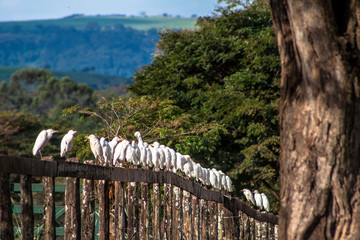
x=18, y=132
x=157, y=120
x=95, y=81
x=37, y=91
x=226, y=73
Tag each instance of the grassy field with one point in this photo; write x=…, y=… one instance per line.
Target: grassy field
x=106, y=21
x=96, y=81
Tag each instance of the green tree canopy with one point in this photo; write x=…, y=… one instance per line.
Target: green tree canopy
x=225, y=72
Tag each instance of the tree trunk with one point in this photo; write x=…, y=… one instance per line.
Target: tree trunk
x=319, y=118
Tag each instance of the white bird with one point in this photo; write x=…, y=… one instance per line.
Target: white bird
x=155, y=155
x=43, y=138
x=96, y=148
x=120, y=151
x=249, y=196
x=213, y=178
x=188, y=168
x=258, y=199
x=67, y=143
x=173, y=159
x=228, y=183
x=106, y=150
x=265, y=202
x=167, y=157
x=139, y=138
x=113, y=143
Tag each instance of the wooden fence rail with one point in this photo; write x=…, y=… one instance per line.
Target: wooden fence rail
x=133, y=204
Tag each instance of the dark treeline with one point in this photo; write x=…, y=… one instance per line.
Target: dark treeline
x=113, y=51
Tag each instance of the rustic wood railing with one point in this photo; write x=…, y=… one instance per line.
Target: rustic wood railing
x=133, y=204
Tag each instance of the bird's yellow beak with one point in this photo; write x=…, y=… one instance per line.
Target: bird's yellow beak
x=55, y=131
x=74, y=131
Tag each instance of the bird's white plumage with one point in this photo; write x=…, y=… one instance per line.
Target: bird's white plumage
x=113, y=143
x=120, y=151
x=96, y=148
x=67, y=143
x=106, y=150
x=248, y=195
x=43, y=138
x=140, y=140
x=265, y=202
x=258, y=199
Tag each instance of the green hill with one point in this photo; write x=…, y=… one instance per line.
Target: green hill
x=96, y=81
x=106, y=22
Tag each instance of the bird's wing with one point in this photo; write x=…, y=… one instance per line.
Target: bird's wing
x=40, y=141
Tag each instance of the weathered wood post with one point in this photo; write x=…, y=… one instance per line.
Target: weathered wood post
x=6, y=223
x=265, y=231
x=271, y=231
x=133, y=226
x=156, y=212
x=241, y=224
x=88, y=208
x=221, y=229
x=229, y=224
x=27, y=215
x=195, y=218
x=72, y=206
x=145, y=214
x=247, y=228
x=203, y=220
x=49, y=205
x=186, y=213
x=103, y=197
x=257, y=230
x=167, y=211
x=119, y=210
x=177, y=225
x=213, y=220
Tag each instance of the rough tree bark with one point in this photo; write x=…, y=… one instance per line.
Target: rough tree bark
x=319, y=43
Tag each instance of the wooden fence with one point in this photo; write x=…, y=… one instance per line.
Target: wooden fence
x=132, y=204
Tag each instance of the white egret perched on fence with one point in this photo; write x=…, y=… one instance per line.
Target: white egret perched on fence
x=258, y=199
x=248, y=195
x=113, y=143
x=43, y=138
x=106, y=150
x=95, y=146
x=67, y=143
x=265, y=202
x=139, y=138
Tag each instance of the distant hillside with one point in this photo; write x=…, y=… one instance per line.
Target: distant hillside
x=95, y=81
x=109, y=45
x=80, y=22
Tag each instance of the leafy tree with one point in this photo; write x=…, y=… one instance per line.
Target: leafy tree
x=157, y=120
x=225, y=72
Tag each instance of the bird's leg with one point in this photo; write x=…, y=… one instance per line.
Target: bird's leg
x=40, y=155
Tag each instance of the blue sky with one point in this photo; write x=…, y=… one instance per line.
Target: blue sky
x=12, y=10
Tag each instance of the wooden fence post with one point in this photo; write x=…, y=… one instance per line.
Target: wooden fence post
x=145, y=215
x=213, y=220
x=241, y=225
x=88, y=208
x=167, y=211
x=221, y=229
x=72, y=207
x=119, y=210
x=6, y=223
x=186, y=213
x=265, y=231
x=247, y=228
x=195, y=217
x=271, y=231
x=49, y=205
x=177, y=226
x=203, y=220
x=157, y=211
x=103, y=197
x=257, y=230
x=27, y=215
x=133, y=227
